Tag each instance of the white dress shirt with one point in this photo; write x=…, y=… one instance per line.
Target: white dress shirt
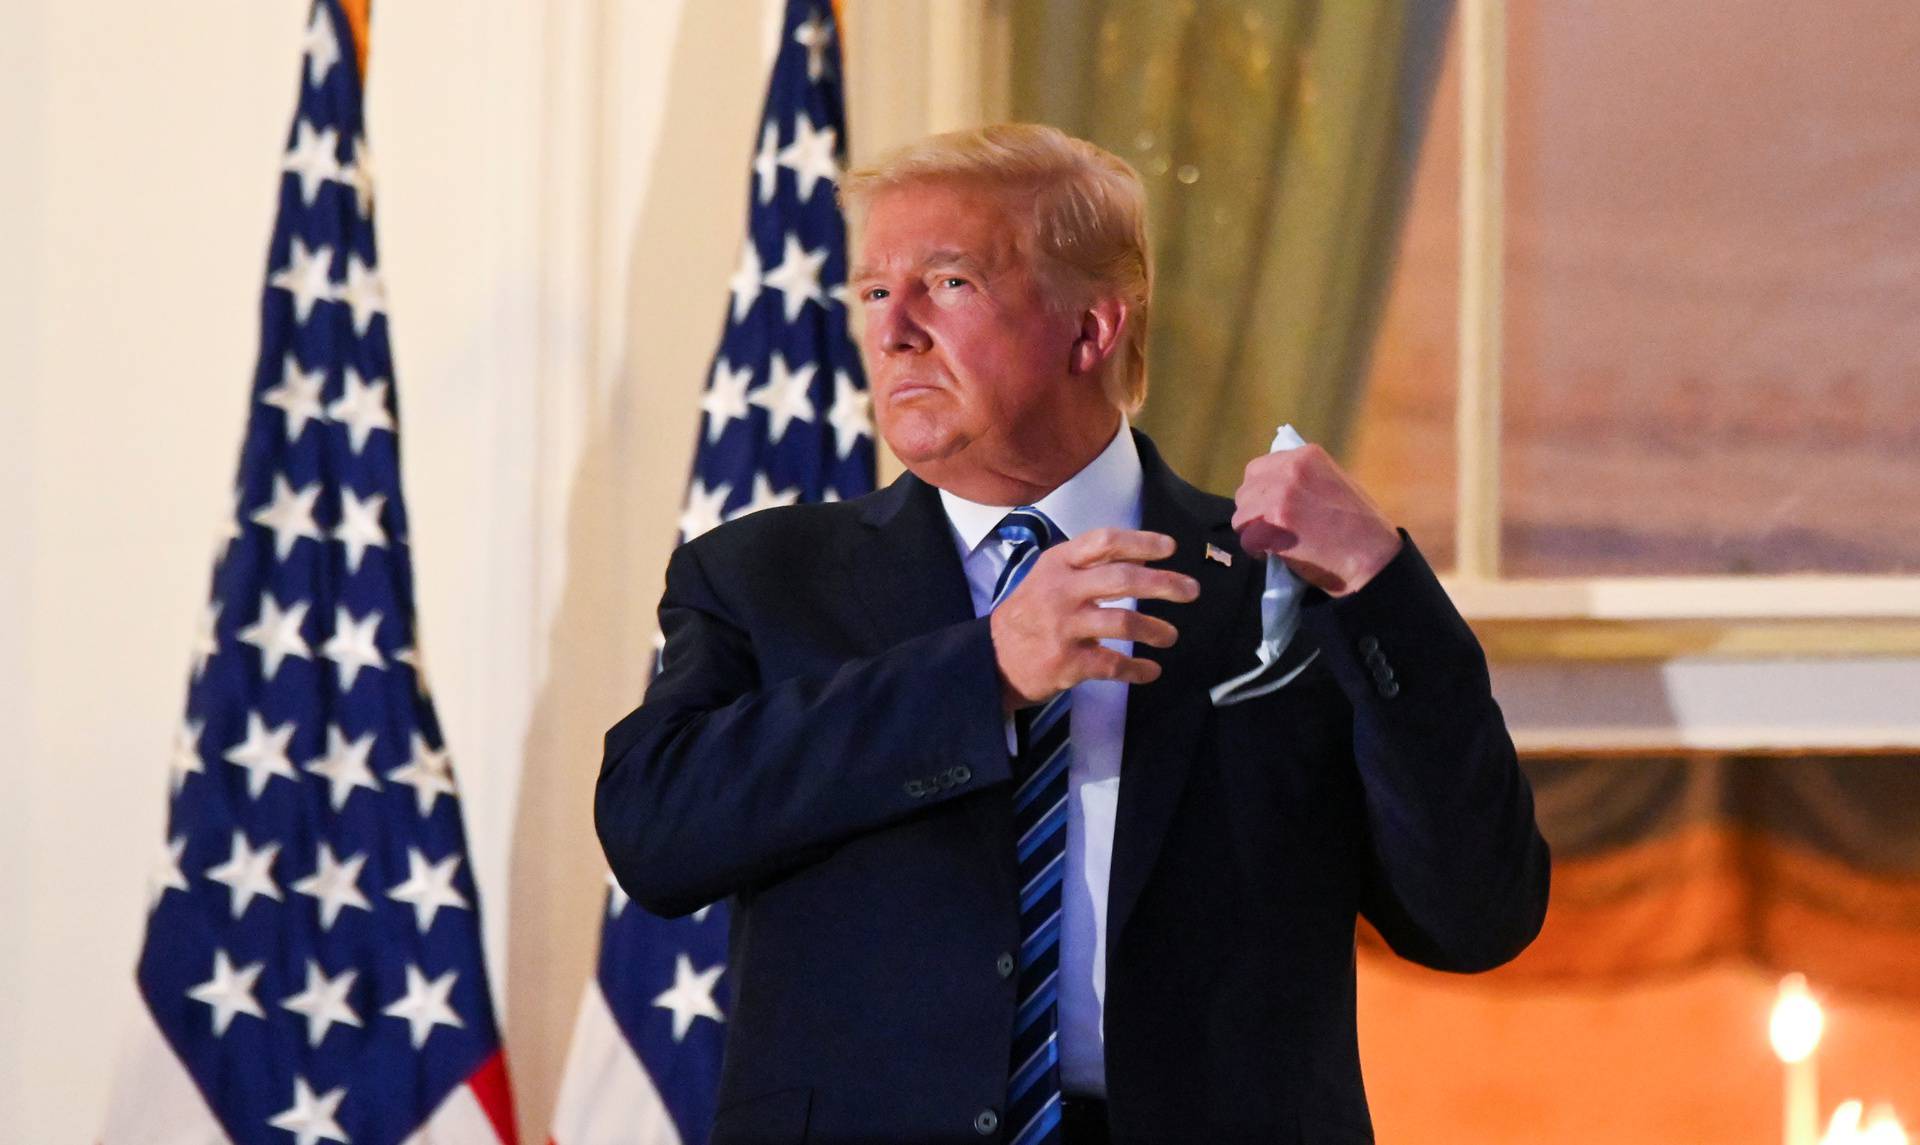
x=1105, y=493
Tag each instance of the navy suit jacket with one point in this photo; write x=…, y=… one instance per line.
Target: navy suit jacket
x=824, y=746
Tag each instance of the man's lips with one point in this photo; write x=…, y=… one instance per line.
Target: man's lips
x=911, y=388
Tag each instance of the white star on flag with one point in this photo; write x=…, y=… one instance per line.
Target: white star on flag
x=429, y=773
x=229, y=530
x=351, y=646
x=852, y=414
x=311, y=1119
x=323, y=1002
x=359, y=176
x=429, y=887
x=307, y=276
x=363, y=293
x=797, y=278
x=344, y=766
x=617, y=897
x=424, y=1005
x=359, y=528
x=277, y=634
x=764, y=497
x=811, y=155
x=785, y=396
x=362, y=408
x=297, y=396
x=289, y=515
x=814, y=36
x=334, y=885
x=264, y=754
x=321, y=47
x=726, y=398
x=247, y=873
x=746, y=280
x=766, y=173
x=703, y=511
x=312, y=158
x=166, y=874
x=411, y=659
x=186, y=753
x=229, y=992
x=690, y=996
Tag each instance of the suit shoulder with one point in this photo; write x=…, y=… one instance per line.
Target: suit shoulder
x=783, y=533
x=1211, y=507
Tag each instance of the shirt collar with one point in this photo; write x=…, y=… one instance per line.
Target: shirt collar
x=1106, y=491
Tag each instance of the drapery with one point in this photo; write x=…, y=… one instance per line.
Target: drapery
x=1670, y=862
x=1278, y=139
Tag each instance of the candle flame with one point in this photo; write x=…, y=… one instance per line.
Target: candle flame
x=1797, y=1021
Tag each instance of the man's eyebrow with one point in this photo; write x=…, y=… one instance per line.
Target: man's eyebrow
x=954, y=258
x=959, y=259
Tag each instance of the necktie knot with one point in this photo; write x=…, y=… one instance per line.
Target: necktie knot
x=1028, y=525
x=1030, y=532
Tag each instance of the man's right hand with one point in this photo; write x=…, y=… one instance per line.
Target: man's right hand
x=1047, y=632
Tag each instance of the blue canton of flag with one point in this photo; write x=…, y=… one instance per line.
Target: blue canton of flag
x=313, y=952
x=786, y=419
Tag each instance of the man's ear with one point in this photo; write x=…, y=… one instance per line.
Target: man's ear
x=1101, y=325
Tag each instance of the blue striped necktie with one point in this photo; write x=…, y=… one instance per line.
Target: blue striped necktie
x=1040, y=824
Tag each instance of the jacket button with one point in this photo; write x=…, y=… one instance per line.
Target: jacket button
x=915, y=788
x=962, y=773
x=1005, y=965
x=985, y=1122
x=1369, y=645
x=1390, y=689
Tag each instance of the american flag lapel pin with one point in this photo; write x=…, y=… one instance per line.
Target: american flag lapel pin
x=1216, y=553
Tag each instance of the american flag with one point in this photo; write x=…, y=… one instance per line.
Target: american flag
x=786, y=418
x=312, y=969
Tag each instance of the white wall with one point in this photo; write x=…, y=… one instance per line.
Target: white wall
x=561, y=191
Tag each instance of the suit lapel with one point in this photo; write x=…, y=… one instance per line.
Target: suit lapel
x=905, y=567
x=1165, y=718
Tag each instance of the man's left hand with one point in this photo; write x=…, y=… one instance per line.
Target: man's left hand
x=1300, y=506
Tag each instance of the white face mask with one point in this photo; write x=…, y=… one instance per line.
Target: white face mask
x=1279, y=619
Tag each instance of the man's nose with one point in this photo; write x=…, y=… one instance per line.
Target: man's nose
x=899, y=331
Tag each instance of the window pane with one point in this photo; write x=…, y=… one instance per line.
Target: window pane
x=1713, y=288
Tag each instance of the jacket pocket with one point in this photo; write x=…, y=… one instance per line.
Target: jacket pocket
x=776, y=1118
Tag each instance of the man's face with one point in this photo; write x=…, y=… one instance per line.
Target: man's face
x=968, y=360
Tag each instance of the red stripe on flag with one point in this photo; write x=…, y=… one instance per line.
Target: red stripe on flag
x=489, y=1086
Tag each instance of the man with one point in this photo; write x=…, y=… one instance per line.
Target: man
x=1000, y=868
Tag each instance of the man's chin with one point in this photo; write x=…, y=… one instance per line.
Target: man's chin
x=919, y=440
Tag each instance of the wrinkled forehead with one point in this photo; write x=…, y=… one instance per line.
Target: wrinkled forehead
x=930, y=223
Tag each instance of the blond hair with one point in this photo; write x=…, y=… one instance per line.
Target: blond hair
x=1089, y=216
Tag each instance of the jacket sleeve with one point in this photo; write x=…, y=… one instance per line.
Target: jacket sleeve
x=722, y=778
x=1458, y=872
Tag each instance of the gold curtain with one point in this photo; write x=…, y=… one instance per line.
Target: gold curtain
x=1277, y=139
